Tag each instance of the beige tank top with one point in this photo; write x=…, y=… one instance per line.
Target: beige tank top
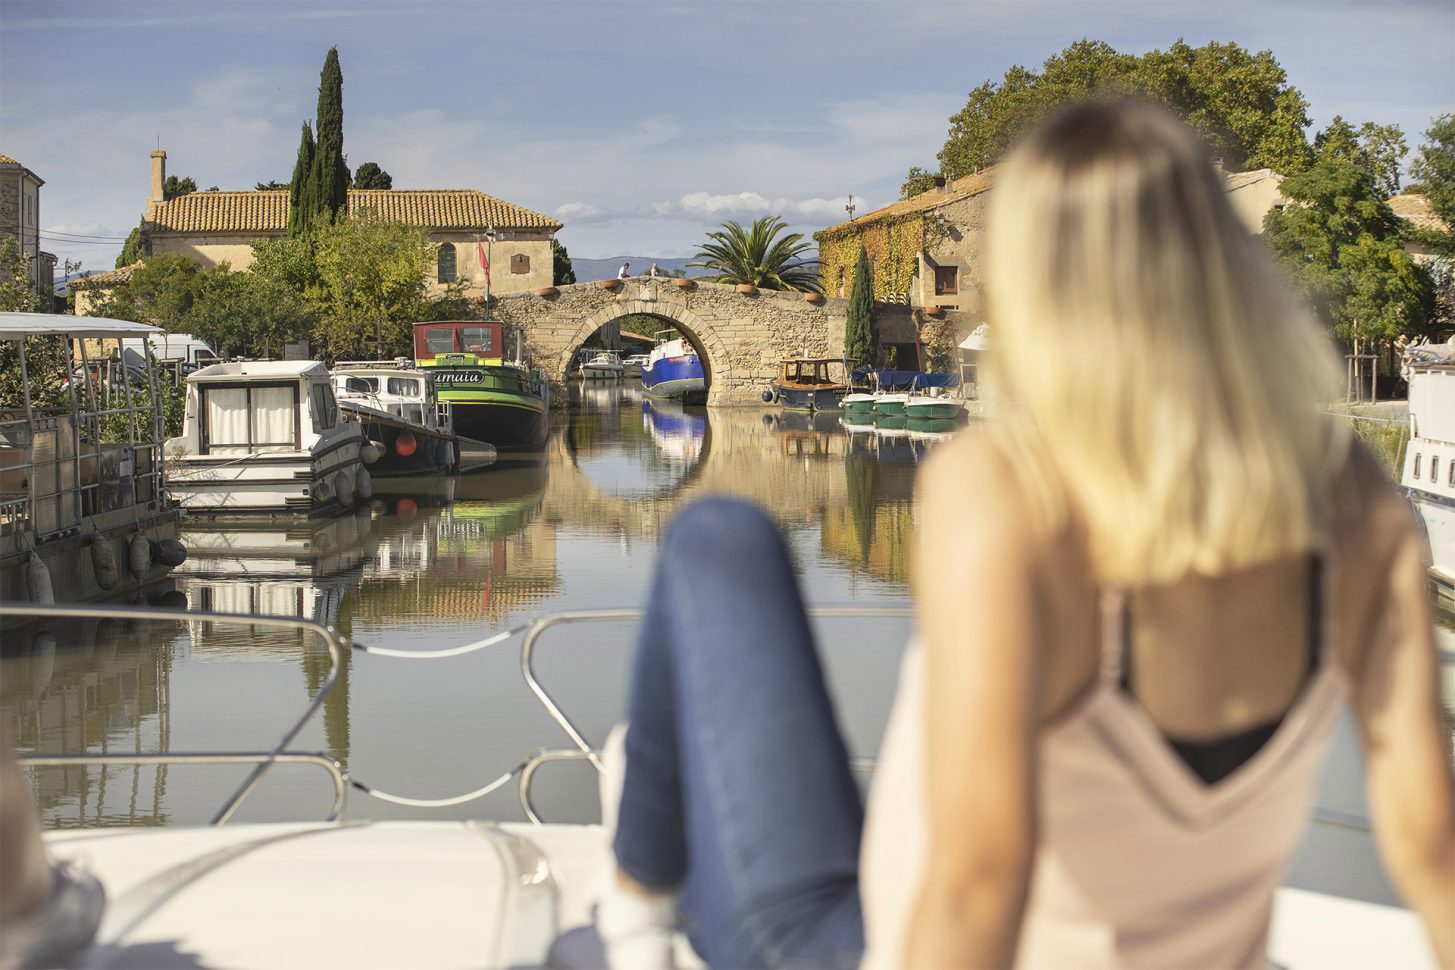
x=1140, y=863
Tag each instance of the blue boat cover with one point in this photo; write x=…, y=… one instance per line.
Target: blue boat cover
x=903, y=380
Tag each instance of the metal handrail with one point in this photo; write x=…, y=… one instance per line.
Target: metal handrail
x=334, y=769
x=553, y=710
x=335, y=643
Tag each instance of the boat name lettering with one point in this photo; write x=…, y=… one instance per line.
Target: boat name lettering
x=459, y=377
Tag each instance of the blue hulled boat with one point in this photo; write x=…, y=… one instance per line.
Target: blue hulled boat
x=673, y=370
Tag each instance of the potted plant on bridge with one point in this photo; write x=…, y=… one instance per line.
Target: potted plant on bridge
x=747, y=289
x=548, y=291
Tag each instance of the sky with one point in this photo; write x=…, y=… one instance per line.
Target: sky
x=640, y=125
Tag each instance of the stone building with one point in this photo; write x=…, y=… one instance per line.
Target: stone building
x=926, y=250
x=215, y=227
x=20, y=220
x=1417, y=212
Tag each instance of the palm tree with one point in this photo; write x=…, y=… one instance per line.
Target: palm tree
x=760, y=256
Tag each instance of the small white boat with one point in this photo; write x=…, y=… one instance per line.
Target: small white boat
x=1429, y=463
x=266, y=437
x=605, y=366
x=401, y=416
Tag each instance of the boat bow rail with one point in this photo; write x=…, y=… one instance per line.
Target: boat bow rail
x=530, y=635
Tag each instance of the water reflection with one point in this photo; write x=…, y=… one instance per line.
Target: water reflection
x=441, y=561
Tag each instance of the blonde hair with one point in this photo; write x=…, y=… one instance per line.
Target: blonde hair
x=1157, y=379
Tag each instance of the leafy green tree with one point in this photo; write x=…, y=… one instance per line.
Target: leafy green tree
x=270, y=186
x=330, y=173
x=916, y=181
x=371, y=285
x=18, y=291
x=1343, y=248
x=760, y=256
x=370, y=176
x=301, y=205
x=861, y=329
x=1380, y=149
x=1435, y=167
x=247, y=314
x=561, y=272
x=135, y=247
x=160, y=292
x=288, y=261
x=175, y=187
x=1241, y=102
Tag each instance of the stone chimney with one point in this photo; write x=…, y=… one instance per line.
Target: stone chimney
x=159, y=176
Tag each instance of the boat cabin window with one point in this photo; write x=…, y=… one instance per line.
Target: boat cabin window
x=476, y=340
x=251, y=418
x=439, y=341
x=1435, y=469
x=404, y=386
x=325, y=408
x=1418, y=463
x=361, y=385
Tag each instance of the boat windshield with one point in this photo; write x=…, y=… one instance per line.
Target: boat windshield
x=439, y=340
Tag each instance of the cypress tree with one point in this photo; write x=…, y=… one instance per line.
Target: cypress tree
x=330, y=176
x=861, y=330
x=300, y=190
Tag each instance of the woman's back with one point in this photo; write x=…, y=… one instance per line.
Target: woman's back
x=1140, y=860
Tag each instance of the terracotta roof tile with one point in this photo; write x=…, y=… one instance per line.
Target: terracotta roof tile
x=112, y=277
x=971, y=185
x=960, y=188
x=267, y=211
x=7, y=160
x=1418, y=212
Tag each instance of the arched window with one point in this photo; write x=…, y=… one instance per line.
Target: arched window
x=446, y=263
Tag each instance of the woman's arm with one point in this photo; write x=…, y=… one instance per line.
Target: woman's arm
x=1407, y=762
x=977, y=614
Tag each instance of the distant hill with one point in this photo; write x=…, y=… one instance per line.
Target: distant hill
x=604, y=269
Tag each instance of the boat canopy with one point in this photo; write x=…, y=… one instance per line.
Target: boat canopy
x=15, y=326
x=252, y=370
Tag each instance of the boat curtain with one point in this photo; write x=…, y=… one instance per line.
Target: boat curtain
x=227, y=420
x=275, y=417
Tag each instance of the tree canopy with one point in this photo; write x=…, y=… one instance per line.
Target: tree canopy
x=175, y=187
x=1378, y=149
x=861, y=329
x=1344, y=249
x=1434, y=167
x=301, y=205
x=319, y=189
x=562, y=273
x=1241, y=102
x=370, y=176
x=765, y=255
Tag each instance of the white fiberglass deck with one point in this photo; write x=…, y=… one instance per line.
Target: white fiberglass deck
x=453, y=894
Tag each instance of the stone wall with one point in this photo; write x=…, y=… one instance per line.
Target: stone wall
x=505, y=277
x=742, y=337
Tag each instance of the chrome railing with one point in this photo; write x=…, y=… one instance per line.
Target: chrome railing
x=262, y=760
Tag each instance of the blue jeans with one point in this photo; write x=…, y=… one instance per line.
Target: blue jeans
x=738, y=790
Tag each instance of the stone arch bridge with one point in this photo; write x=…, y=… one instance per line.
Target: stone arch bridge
x=740, y=336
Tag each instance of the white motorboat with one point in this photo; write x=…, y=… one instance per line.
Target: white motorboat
x=1429, y=464
x=401, y=416
x=266, y=437
x=605, y=366
x=426, y=893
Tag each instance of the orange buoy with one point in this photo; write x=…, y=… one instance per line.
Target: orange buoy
x=405, y=444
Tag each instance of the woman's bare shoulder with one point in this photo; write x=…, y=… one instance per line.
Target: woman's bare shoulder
x=1372, y=520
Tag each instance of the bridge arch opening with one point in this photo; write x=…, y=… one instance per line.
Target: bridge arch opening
x=600, y=333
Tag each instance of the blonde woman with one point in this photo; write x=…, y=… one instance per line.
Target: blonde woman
x=1143, y=596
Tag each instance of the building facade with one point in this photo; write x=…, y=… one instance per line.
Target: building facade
x=20, y=220
x=216, y=227
x=926, y=251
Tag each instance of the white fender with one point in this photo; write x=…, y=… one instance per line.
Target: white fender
x=141, y=555
x=343, y=484
x=38, y=576
x=365, y=487
x=103, y=562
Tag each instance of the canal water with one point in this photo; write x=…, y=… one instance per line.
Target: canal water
x=442, y=562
